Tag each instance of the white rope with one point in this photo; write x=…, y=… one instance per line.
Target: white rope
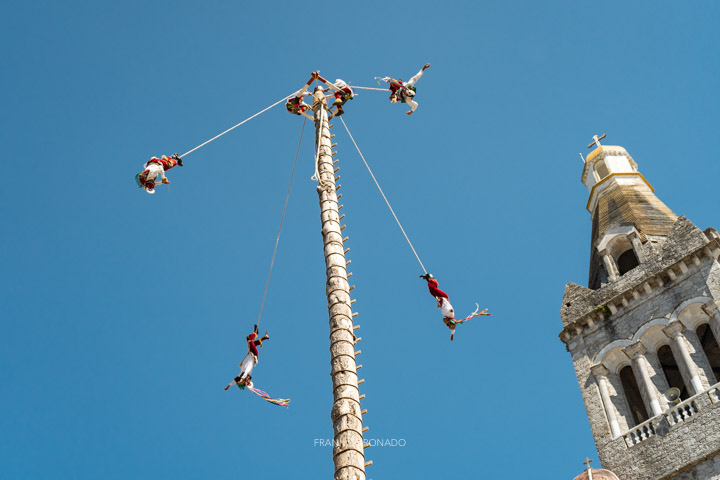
x=282, y=218
x=371, y=88
x=233, y=128
x=316, y=177
x=383, y=195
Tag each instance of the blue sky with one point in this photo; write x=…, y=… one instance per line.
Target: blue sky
x=124, y=314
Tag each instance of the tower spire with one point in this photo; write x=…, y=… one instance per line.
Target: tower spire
x=625, y=212
x=647, y=326
x=346, y=412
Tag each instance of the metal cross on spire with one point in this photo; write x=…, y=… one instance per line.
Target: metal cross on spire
x=596, y=140
x=589, y=470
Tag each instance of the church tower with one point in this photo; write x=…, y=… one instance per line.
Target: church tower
x=644, y=334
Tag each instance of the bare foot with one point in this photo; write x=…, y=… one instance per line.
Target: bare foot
x=427, y=65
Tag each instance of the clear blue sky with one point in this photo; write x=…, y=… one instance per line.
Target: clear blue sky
x=124, y=315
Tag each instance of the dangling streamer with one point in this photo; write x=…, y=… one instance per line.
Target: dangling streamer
x=283, y=402
x=476, y=313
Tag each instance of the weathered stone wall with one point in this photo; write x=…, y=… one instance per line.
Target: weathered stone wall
x=706, y=470
x=682, y=239
x=683, y=267
x=685, y=451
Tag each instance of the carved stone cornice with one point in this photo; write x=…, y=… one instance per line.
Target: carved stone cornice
x=710, y=308
x=599, y=370
x=674, y=328
x=645, y=286
x=635, y=350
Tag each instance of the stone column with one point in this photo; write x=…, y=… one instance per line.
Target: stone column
x=600, y=372
x=712, y=311
x=636, y=352
x=637, y=247
x=613, y=272
x=688, y=369
x=346, y=413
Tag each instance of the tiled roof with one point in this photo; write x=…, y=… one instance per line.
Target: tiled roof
x=627, y=205
x=597, y=474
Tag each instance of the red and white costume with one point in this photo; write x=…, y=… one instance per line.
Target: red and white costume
x=444, y=304
x=154, y=168
x=295, y=105
x=405, y=92
x=446, y=308
x=249, y=361
x=442, y=299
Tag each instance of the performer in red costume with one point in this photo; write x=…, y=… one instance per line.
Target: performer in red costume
x=445, y=307
x=249, y=361
x=154, y=168
x=295, y=105
x=443, y=303
x=342, y=95
x=404, y=92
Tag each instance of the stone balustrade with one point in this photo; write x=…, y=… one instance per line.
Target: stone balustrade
x=714, y=393
x=682, y=411
x=640, y=433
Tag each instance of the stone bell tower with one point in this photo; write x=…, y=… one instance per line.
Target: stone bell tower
x=644, y=334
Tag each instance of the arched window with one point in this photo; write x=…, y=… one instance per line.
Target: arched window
x=601, y=169
x=632, y=394
x=627, y=261
x=672, y=371
x=710, y=347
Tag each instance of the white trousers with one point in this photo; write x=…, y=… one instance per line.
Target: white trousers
x=247, y=364
x=447, y=309
x=155, y=172
x=409, y=100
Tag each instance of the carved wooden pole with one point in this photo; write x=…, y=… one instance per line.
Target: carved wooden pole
x=346, y=413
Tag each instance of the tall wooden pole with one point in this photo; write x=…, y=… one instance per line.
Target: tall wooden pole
x=346, y=412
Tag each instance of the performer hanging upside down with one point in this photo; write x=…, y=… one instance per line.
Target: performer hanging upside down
x=404, y=92
x=154, y=168
x=249, y=361
x=443, y=303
